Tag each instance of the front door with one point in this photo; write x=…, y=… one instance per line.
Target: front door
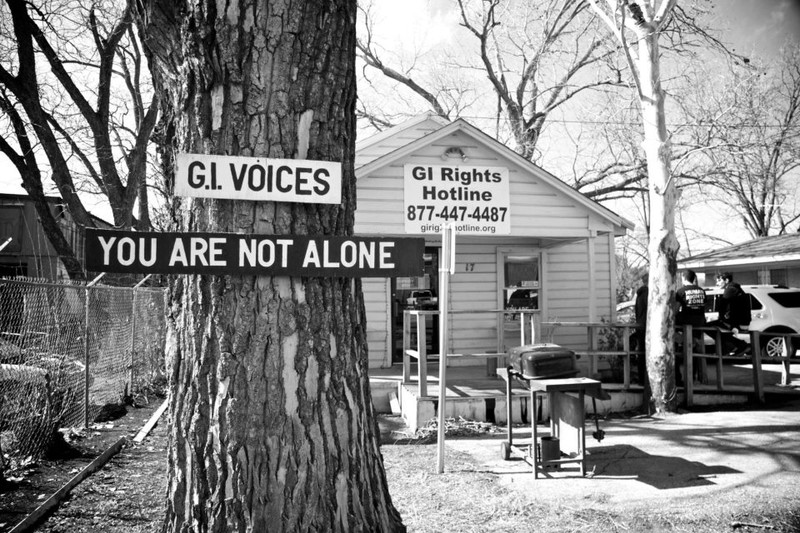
x=416, y=293
x=521, y=288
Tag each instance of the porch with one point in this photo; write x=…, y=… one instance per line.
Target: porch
x=475, y=392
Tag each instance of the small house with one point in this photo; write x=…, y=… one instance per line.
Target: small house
x=524, y=239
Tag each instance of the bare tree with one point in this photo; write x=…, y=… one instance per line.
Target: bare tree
x=638, y=27
x=61, y=57
x=746, y=141
x=272, y=420
x=536, y=56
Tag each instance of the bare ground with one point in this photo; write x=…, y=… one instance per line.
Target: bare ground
x=127, y=495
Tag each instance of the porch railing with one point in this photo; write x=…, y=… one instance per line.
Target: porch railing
x=529, y=322
x=532, y=330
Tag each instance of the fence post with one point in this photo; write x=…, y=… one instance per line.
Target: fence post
x=688, y=374
x=133, y=333
x=86, y=374
x=626, y=362
x=758, y=376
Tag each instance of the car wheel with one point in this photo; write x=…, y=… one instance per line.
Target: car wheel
x=773, y=346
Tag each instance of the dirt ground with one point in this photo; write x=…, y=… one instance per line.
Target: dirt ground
x=127, y=495
x=123, y=496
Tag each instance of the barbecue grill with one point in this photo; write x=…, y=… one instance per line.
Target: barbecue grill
x=543, y=361
x=551, y=369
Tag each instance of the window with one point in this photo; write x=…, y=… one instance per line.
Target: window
x=786, y=299
x=521, y=289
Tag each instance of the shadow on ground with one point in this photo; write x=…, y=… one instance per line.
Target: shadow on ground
x=659, y=471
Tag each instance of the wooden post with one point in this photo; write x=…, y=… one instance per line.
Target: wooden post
x=626, y=347
x=688, y=377
x=758, y=376
x=501, y=332
x=406, y=347
x=785, y=364
x=422, y=351
x=591, y=331
x=718, y=350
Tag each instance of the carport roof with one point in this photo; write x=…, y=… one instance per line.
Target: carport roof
x=764, y=250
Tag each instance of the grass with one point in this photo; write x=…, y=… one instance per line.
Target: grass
x=466, y=499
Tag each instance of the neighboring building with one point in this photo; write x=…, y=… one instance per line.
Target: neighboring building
x=29, y=252
x=767, y=260
x=531, y=240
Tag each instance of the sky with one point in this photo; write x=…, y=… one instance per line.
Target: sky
x=754, y=25
x=760, y=24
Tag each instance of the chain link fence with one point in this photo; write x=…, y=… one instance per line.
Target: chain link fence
x=69, y=350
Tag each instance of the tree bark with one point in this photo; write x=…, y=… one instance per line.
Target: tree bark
x=272, y=421
x=663, y=245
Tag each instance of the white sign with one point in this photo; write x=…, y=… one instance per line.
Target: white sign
x=475, y=199
x=258, y=179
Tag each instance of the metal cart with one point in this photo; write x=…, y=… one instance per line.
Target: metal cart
x=567, y=419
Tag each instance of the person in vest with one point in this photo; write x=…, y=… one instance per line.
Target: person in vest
x=734, y=314
x=691, y=303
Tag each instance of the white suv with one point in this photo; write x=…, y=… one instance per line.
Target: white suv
x=773, y=308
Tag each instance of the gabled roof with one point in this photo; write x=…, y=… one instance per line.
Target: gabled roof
x=461, y=125
x=395, y=130
x=762, y=250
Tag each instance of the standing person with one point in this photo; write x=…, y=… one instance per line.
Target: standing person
x=691, y=302
x=639, y=335
x=734, y=314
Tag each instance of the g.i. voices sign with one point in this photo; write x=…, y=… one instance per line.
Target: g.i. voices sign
x=258, y=179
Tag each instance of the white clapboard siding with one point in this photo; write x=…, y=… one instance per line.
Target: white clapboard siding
x=568, y=285
x=376, y=304
x=472, y=291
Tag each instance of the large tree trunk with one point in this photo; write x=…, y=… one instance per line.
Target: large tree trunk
x=663, y=245
x=272, y=420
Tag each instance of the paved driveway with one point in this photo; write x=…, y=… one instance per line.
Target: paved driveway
x=678, y=456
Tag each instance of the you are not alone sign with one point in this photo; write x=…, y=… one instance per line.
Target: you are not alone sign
x=228, y=253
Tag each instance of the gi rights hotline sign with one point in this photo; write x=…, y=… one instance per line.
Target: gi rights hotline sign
x=475, y=199
x=258, y=179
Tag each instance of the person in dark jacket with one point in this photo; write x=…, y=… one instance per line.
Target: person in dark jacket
x=639, y=335
x=691, y=302
x=734, y=314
